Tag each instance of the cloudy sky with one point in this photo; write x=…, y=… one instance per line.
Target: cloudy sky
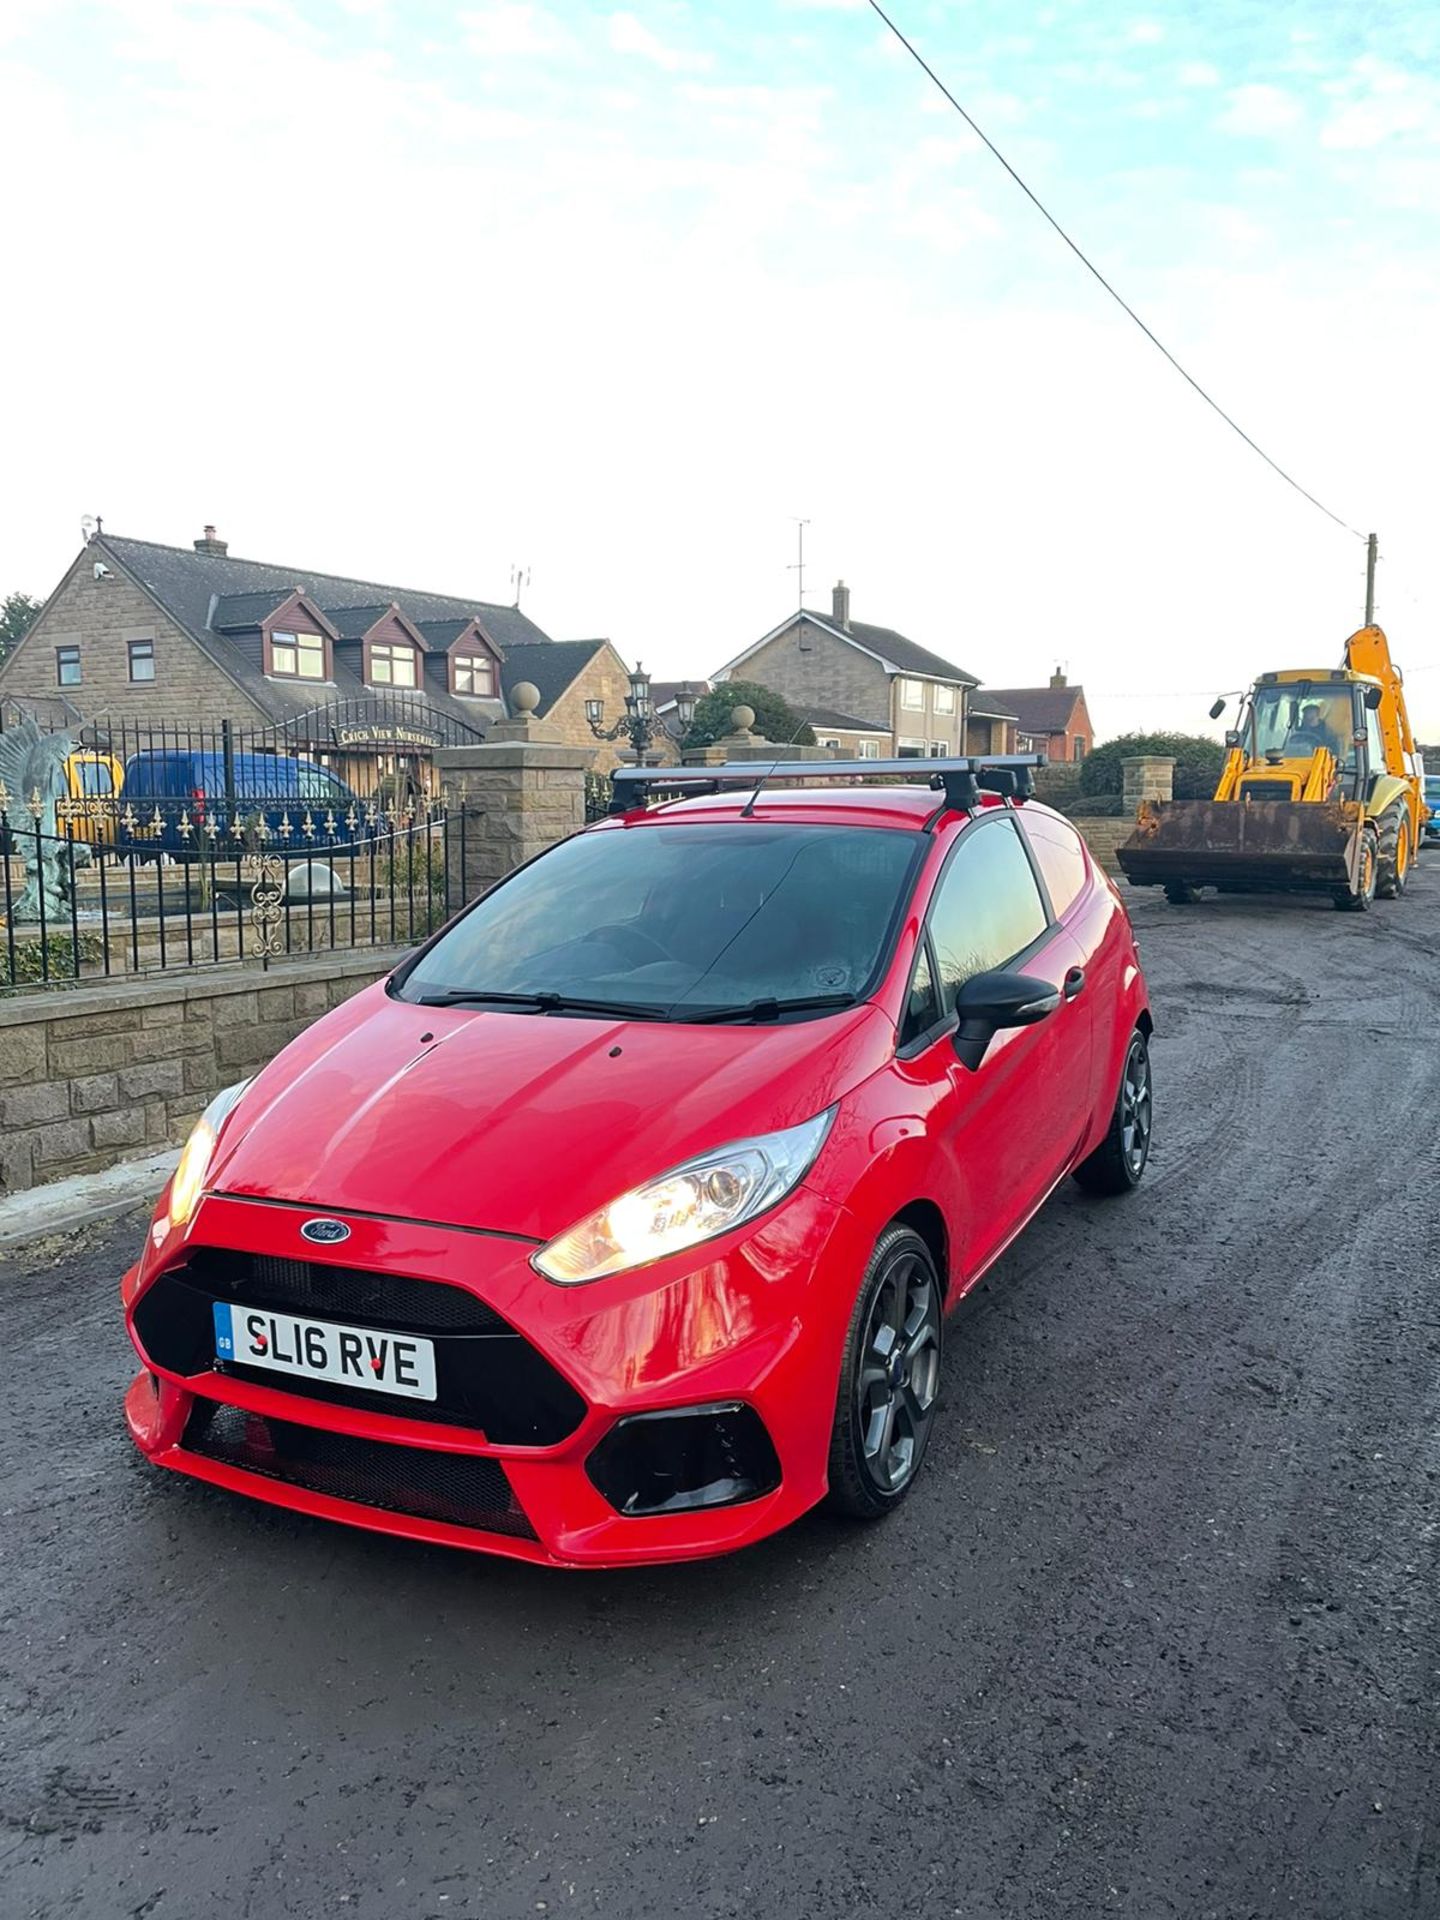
x=421, y=291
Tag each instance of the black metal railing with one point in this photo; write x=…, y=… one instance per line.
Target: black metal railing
x=137, y=883
x=597, y=796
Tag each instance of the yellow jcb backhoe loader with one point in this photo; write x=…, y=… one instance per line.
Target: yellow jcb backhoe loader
x=1322, y=792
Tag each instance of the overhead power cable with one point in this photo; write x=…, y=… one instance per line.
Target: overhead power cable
x=1090, y=267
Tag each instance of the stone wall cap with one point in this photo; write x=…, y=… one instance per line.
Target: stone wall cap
x=499, y=755
x=76, y=1003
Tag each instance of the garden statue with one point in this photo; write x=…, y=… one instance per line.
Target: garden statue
x=32, y=780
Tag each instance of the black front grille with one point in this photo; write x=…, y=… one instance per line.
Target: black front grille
x=1266, y=790
x=309, y=1287
x=487, y=1375
x=454, y=1487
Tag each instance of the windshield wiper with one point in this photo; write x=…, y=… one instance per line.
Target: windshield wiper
x=541, y=1003
x=768, y=1008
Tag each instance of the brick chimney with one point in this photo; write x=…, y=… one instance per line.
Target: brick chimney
x=840, y=605
x=1057, y=679
x=217, y=549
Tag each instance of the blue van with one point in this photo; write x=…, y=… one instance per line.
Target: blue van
x=180, y=784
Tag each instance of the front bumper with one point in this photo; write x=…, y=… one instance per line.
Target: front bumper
x=755, y=1322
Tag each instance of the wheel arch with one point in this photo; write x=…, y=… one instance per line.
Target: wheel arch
x=925, y=1218
x=1387, y=790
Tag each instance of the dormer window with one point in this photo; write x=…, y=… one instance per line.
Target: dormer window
x=392, y=664
x=297, y=656
x=474, y=674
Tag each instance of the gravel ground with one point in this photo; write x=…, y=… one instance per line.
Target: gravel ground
x=1157, y=1635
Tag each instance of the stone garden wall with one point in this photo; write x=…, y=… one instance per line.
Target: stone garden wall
x=100, y=1074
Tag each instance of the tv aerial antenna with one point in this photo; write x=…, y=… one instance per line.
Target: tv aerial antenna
x=797, y=566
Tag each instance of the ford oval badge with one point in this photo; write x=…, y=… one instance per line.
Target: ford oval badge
x=325, y=1233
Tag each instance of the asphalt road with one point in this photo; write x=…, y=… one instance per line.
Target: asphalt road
x=1156, y=1636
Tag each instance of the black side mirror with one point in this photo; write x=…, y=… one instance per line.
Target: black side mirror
x=990, y=1002
x=1217, y=709
x=1373, y=697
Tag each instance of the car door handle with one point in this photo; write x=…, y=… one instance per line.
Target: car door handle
x=1074, y=983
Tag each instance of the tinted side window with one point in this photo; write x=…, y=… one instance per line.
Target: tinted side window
x=987, y=908
x=922, y=1008
x=1060, y=857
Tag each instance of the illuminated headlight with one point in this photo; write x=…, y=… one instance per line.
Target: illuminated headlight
x=189, y=1178
x=693, y=1202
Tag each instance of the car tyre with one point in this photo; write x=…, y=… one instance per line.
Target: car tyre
x=889, y=1380
x=1181, y=895
x=1118, y=1164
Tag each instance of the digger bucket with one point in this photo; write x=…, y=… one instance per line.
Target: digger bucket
x=1255, y=846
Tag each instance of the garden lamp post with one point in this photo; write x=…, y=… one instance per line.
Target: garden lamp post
x=637, y=722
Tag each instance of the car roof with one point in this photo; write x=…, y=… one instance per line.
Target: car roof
x=904, y=807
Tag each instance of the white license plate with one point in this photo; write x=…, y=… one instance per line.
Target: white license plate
x=321, y=1350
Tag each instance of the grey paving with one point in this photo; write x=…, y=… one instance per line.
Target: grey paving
x=1156, y=1637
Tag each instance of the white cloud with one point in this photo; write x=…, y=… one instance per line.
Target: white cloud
x=510, y=30
x=1259, y=109
x=1382, y=102
x=630, y=35
x=1146, y=33
x=1197, y=73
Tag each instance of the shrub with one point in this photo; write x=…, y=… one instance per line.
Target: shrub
x=775, y=719
x=54, y=959
x=1198, y=761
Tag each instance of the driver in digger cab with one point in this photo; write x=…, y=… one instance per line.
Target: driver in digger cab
x=1313, y=726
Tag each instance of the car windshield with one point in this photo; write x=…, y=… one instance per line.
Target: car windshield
x=1294, y=720
x=679, y=921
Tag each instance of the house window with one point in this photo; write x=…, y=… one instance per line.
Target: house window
x=937, y=747
x=868, y=750
x=944, y=699
x=475, y=674
x=392, y=664
x=142, y=660
x=297, y=656
x=1077, y=747
x=834, y=745
x=67, y=666
x=911, y=749
x=912, y=695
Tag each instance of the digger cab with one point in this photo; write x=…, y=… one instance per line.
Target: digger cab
x=1303, y=735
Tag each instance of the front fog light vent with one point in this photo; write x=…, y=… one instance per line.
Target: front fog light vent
x=685, y=1459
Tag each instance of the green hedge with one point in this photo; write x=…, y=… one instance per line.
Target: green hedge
x=1198, y=761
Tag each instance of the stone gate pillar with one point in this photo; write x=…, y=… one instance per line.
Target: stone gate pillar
x=745, y=744
x=1147, y=776
x=513, y=795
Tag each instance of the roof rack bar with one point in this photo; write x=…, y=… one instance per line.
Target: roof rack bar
x=962, y=778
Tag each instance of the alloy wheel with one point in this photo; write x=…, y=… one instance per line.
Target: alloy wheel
x=899, y=1375
x=1135, y=1108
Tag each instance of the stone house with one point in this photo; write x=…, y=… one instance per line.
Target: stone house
x=989, y=725
x=1052, y=720
x=567, y=673
x=846, y=736
x=908, y=699
x=138, y=635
